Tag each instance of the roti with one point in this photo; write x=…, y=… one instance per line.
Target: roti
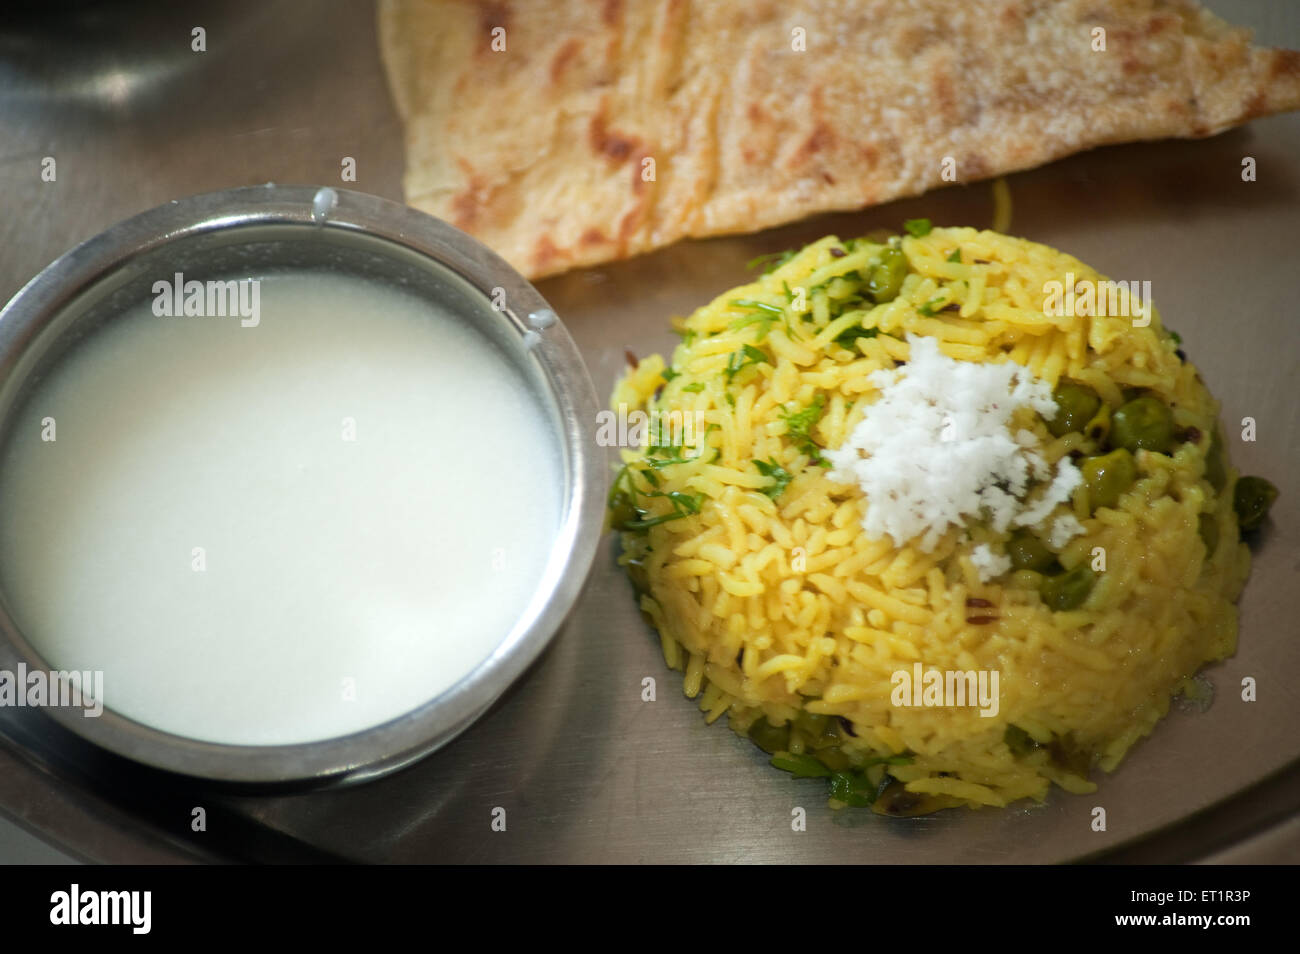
x=577, y=132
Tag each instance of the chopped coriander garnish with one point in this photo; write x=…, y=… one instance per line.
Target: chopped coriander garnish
x=683, y=506
x=800, y=422
x=800, y=766
x=767, y=315
x=743, y=358
x=695, y=387
x=668, y=453
x=904, y=759
x=1178, y=339
x=799, y=425
x=849, y=335
x=668, y=374
x=955, y=256
x=659, y=463
x=690, y=503
x=761, y=305
x=626, y=512
x=917, y=227
x=771, y=261
x=780, y=476
x=928, y=309
x=763, y=321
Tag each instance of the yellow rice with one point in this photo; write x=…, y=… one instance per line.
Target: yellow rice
x=773, y=608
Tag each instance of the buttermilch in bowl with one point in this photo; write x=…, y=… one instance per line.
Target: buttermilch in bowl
x=283, y=527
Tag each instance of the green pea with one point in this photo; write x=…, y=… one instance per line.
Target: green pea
x=1215, y=472
x=1098, y=428
x=1019, y=741
x=1208, y=528
x=1027, y=552
x=885, y=275
x=1144, y=423
x=770, y=738
x=1251, y=498
x=1075, y=407
x=1068, y=753
x=1107, y=476
x=813, y=724
x=1068, y=590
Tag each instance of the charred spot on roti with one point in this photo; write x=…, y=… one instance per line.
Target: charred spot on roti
x=546, y=253
x=629, y=222
x=464, y=210
x=468, y=204
x=941, y=84
x=1257, y=105
x=613, y=57
x=609, y=142
x=913, y=38
x=974, y=166
x=1162, y=23
x=611, y=13
x=821, y=139
x=639, y=181
x=563, y=57
x=491, y=14
x=1284, y=64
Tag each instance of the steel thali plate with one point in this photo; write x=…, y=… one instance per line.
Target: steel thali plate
x=585, y=769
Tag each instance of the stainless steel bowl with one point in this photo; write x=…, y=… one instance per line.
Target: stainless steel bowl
x=253, y=229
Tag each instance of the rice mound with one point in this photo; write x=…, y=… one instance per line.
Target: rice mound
x=750, y=556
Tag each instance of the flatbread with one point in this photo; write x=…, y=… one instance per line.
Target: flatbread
x=606, y=129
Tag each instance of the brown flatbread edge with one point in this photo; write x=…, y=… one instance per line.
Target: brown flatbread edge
x=779, y=143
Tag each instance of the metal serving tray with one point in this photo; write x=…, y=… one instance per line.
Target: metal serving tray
x=585, y=770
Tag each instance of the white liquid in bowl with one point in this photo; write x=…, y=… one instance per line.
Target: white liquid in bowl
x=281, y=533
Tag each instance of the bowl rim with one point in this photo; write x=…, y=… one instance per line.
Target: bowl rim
x=398, y=742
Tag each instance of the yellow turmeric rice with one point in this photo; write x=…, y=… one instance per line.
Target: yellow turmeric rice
x=744, y=526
